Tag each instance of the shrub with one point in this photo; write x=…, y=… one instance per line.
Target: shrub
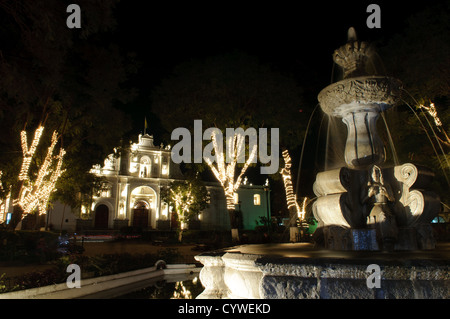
x=28, y=246
x=91, y=266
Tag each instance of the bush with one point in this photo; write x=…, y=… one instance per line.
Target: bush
x=28, y=246
x=40, y=279
x=103, y=265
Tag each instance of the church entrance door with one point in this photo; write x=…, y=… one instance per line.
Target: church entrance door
x=140, y=217
x=101, y=217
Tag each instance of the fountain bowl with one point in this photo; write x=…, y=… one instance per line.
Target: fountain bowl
x=360, y=94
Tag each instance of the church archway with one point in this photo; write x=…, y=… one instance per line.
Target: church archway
x=143, y=199
x=141, y=214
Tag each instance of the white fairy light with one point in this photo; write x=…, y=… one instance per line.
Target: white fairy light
x=302, y=211
x=28, y=153
x=433, y=112
x=183, y=202
x=291, y=197
x=286, y=174
x=2, y=202
x=225, y=172
x=35, y=194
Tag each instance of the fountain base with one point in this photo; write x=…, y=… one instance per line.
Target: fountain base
x=300, y=271
x=375, y=209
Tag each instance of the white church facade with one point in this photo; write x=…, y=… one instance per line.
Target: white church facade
x=130, y=196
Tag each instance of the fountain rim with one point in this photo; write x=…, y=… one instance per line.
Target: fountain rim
x=359, y=94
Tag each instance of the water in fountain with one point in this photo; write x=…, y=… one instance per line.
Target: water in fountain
x=297, y=184
x=335, y=143
x=436, y=145
x=441, y=164
x=391, y=141
x=425, y=129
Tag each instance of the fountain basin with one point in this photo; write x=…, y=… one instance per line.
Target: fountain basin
x=359, y=101
x=299, y=271
x=360, y=94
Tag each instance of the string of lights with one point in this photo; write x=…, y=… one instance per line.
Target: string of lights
x=291, y=197
x=28, y=153
x=35, y=194
x=433, y=112
x=2, y=201
x=225, y=173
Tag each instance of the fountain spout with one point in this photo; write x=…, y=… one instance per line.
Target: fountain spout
x=353, y=56
x=351, y=35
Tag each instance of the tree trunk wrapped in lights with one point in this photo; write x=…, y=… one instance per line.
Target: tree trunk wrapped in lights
x=291, y=198
x=4, y=201
x=437, y=121
x=188, y=198
x=225, y=172
x=183, y=200
x=34, y=194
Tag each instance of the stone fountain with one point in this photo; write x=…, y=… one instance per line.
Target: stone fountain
x=364, y=205
x=362, y=208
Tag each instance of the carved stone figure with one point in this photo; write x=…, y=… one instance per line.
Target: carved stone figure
x=381, y=216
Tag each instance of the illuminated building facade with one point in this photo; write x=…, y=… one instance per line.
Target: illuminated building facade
x=130, y=195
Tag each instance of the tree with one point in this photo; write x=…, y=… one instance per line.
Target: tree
x=188, y=198
x=232, y=90
x=420, y=57
x=291, y=198
x=66, y=80
x=225, y=172
x=33, y=190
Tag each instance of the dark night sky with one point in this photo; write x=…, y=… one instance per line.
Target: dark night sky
x=297, y=37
